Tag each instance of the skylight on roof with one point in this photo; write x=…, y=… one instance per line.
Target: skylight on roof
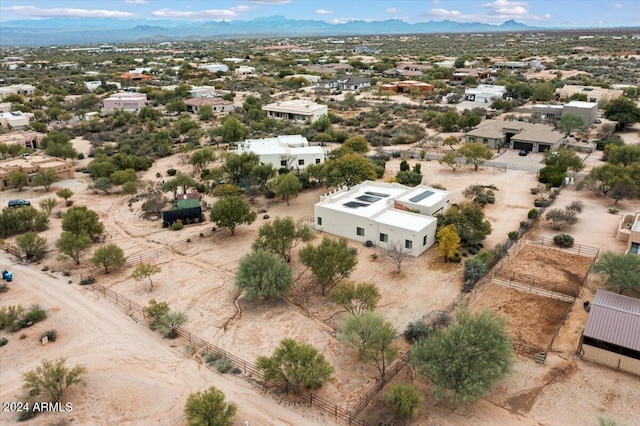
x=368, y=198
x=376, y=194
x=421, y=196
x=355, y=204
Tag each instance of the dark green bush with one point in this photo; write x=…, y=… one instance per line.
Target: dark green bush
x=563, y=240
x=176, y=226
x=3, y=341
x=541, y=202
x=513, y=235
x=223, y=365
x=87, y=281
x=532, y=213
x=416, y=330
x=172, y=172
x=50, y=335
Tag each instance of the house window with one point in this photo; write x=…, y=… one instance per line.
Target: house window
x=408, y=244
x=283, y=163
x=301, y=162
x=485, y=141
x=384, y=238
x=424, y=240
x=635, y=248
x=319, y=221
x=360, y=231
x=317, y=161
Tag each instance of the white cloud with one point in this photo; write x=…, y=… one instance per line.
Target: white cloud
x=435, y=1
x=65, y=12
x=497, y=12
x=200, y=14
x=444, y=13
x=271, y=1
x=618, y=6
x=136, y=1
x=323, y=12
x=241, y=8
x=392, y=10
x=342, y=20
x=508, y=8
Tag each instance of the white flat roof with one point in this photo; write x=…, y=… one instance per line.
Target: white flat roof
x=582, y=104
x=405, y=220
x=297, y=106
x=424, y=196
x=365, y=200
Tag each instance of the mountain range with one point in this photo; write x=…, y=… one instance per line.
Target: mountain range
x=65, y=31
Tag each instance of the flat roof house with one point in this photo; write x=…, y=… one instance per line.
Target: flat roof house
x=587, y=110
x=594, y=94
x=218, y=105
x=611, y=336
x=28, y=139
x=297, y=110
x=484, y=93
x=629, y=231
x=32, y=164
x=291, y=151
x=125, y=100
x=407, y=85
x=384, y=214
x=13, y=120
x=516, y=135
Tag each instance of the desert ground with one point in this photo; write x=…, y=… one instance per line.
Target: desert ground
x=199, y=280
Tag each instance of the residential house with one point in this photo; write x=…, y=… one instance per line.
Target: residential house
x=214, y=68
x=28, y=139
x=611, y=335
x=297, y=110
x=407, y=86
x=587, y=110
x=291, y=151
x=476, y=73
x=328, y=68
x=218, y=105
x=32, y=164
x=629, y=232
x=594, y=94
x=125, y=101
x=484, y=93
x=365, y=49
x=202, y=91
x=244, y=70
x=347, y=82
x=310, y=78
x=14, y=119
x=516, y=135
x=383, y=214
x=16, y=89
x=546, y=112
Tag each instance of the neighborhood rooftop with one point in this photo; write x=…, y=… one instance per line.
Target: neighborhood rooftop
x=615, y=319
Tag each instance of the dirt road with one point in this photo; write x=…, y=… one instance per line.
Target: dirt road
x=134, y=376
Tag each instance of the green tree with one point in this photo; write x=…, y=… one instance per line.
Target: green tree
x=543, y=92
x=298, y=364
x=450, y=159
x=373, y=336
x=209, y=408
x=227, y=190
x=569, y=122
x=261, y=174
x=120, y=177
x=18, y=179
x=349, y=170
x=466, y=358
x=469, y=220
x=623, y=110
x=48, y=204
x=287, y=185
x=563, y=159
x=448, y=120
x=82, y=221
x=475, y=153
x=154, y=311
x=65, y=194
x=102, y=184
x=621, y=271
x=145, y=270
x=469, y=120
x=404, y=400
x=108, y=256
x=602, y=179
x=205, y=112
x=61, y=150
x=230, y=212
x=201, y=158
x=331, y=261
x=356, y=298
x=239, y=167
x=73, y=245
x=232, y=130
x=261, y=275
x=33, y=245
x=357, y=144
x=168, y=323
x=624, y=155
x=448, y=241
x=281, y=235
x=52, y=378
x=46, y=178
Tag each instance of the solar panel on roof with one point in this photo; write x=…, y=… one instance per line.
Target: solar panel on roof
x=376, y=194
x=355, y=204
x=368, y=198
x=421, y=196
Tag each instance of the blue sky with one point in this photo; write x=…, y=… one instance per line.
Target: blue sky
x=543, y=13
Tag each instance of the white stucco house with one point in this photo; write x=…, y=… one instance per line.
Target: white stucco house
x=484, y=93
x=291, y=151
x=125, y=101
x=384, y=214
x=297, y=110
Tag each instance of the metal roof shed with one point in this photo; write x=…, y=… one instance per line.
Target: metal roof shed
x=612, y=333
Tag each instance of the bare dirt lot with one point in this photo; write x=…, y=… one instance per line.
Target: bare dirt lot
x=200, y=281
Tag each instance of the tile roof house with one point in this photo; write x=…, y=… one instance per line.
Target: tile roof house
x=383, y=214
x=516, y=135
x=612, y=333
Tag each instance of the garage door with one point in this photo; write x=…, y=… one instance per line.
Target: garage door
x=523, y=145
x=543, y=147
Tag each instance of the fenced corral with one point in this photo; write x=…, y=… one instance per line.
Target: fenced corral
x=148, y=256
x=553, y=289
x=576, y=248
x=250, y=371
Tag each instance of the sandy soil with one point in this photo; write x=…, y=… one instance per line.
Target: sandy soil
x=199, y=280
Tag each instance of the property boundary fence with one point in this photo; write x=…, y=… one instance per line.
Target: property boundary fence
x=249, y=369
x=577, y=248
x=553, y=289
x=147, y=256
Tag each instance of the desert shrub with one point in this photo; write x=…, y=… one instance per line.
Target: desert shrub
x=210, y=357
x=223, y=365
x=176, y=226
x=614, y=210
x=532, y=214
x=4, y=287
x=3, y=341
x=472, y=250
x=540, y=202
x=9, y=314
x=416, y=330
x=35, y=315
x=513, y=235
x=563, y=240
x=87, y=281
x=172, y=172
x=50, y=335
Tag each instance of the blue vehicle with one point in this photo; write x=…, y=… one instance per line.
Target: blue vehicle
x=7, y=276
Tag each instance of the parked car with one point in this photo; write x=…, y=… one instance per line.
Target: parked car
x=523, y=153
x=19, y=203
